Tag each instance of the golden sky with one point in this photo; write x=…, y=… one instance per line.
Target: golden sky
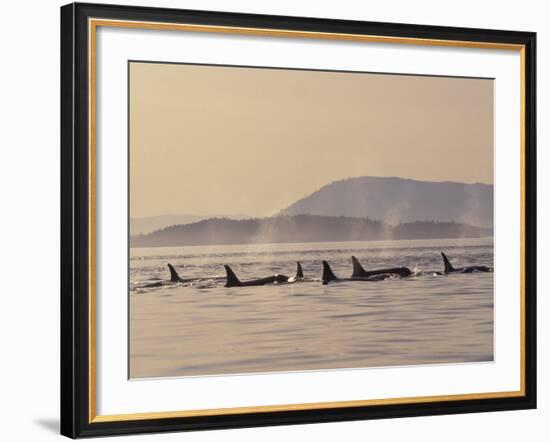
x=228, y=140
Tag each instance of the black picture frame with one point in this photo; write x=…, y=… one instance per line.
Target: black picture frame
x=75, y=220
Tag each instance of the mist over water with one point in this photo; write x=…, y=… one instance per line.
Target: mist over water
x=202, y=328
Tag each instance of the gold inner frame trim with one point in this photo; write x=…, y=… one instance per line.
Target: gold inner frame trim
x=93, y=24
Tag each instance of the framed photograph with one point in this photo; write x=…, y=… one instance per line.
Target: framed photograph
x=273, y=220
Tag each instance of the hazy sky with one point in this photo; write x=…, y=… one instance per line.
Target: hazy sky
x=225, y=140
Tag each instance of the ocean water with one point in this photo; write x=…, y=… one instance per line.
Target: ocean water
x=202, y=328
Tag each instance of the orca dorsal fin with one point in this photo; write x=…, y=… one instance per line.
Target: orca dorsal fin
x=174, y=277
x=328, y=274
x=448, y=266
x=299, y=271
x=358, y=269
x=232, y=280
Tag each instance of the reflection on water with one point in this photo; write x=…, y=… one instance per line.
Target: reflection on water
x=202, y=328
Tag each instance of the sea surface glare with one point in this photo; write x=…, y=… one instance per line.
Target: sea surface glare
x=202, y=328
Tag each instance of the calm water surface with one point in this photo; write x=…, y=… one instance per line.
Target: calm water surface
x=202, y=328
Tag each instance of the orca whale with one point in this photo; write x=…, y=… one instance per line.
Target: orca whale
x=174, y=279
x=329, y=276
x=359, y=271
x=469, y=269
x=233, y=281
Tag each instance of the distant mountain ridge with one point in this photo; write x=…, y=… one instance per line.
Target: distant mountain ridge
x=144, y=225
x=398, y=200
x=300, y=228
